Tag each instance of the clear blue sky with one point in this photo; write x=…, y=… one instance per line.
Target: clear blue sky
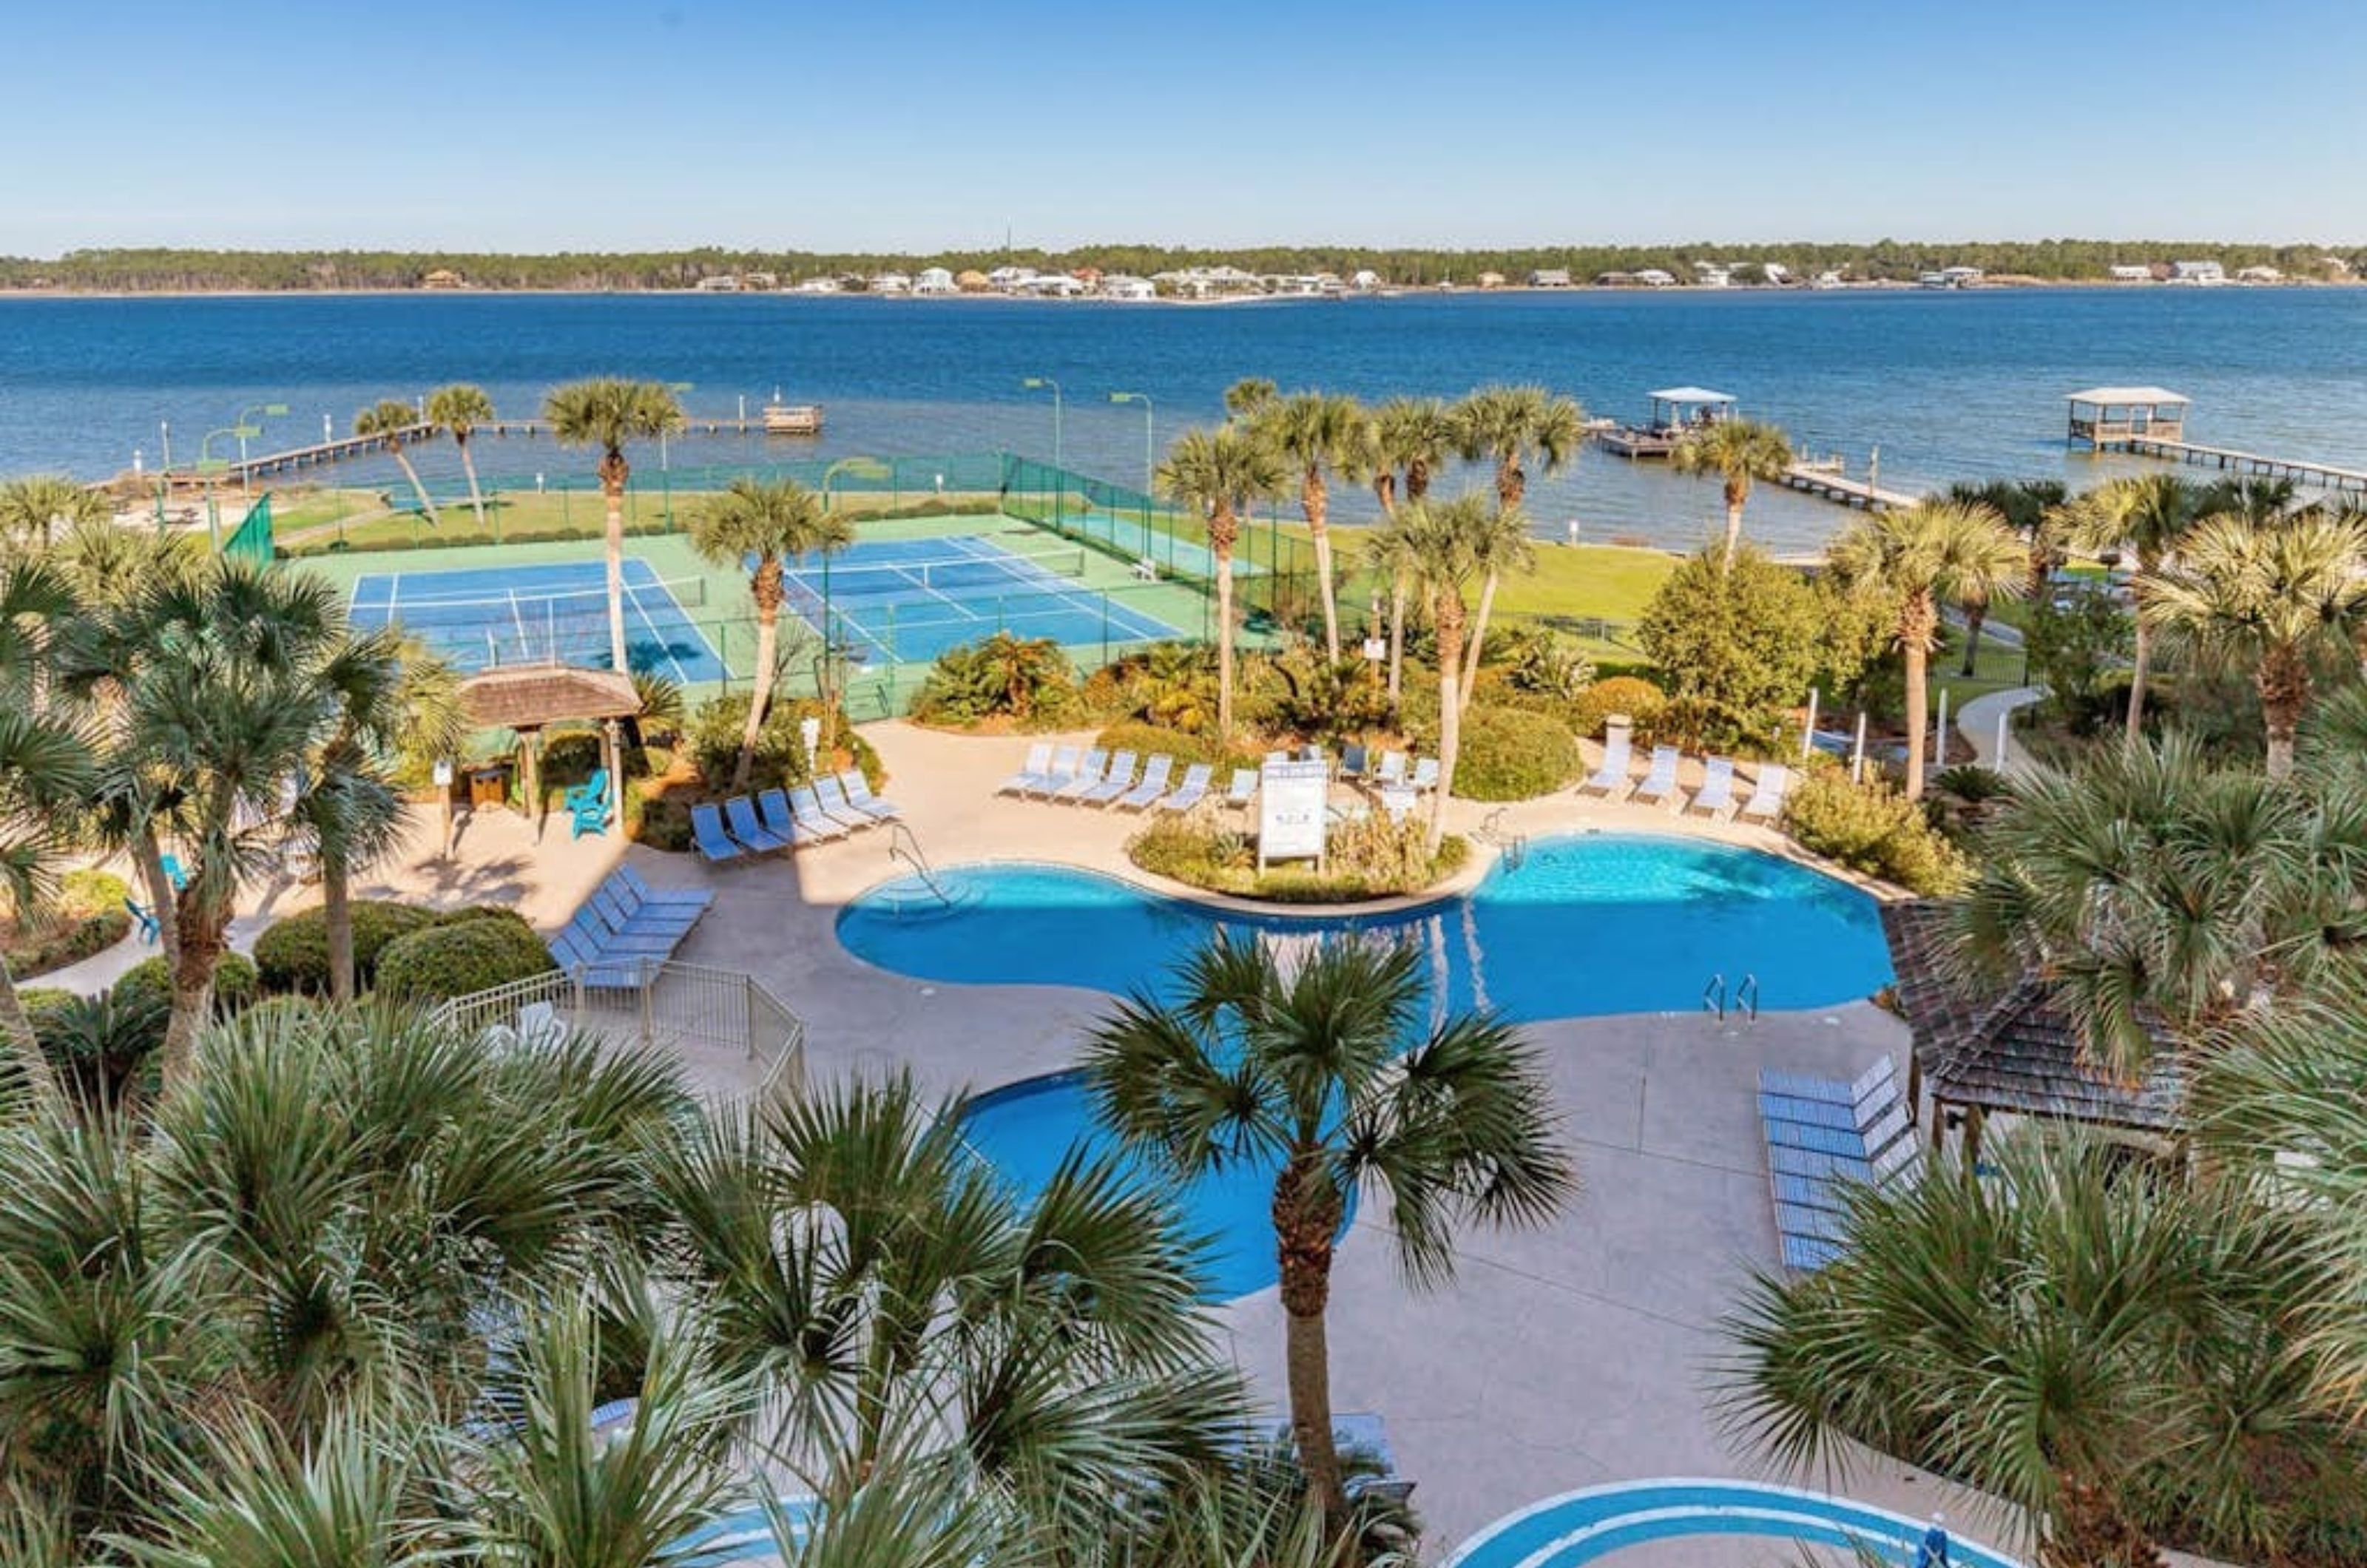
x=537, y=125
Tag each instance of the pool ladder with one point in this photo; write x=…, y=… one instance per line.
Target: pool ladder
x=1744, y=1001
x=904, y=845
x=1513, y=847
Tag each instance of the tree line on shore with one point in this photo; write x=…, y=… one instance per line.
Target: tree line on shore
x=174, y=270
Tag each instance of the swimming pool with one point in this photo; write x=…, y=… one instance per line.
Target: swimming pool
x=1587, y=925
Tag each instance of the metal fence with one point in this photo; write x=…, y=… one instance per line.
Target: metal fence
x=669, y=1005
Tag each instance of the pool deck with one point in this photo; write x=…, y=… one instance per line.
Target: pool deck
x=1562, y=1357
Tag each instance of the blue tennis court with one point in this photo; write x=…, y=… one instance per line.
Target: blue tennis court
x=906, y=601
x=1137, y=537
x=480, y=617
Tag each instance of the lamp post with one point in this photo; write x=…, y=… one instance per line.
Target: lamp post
x=1037, y=384
x=1149, y=434
x=665, y=478
x=247, y=427
x=862, y=468
x=209, y=464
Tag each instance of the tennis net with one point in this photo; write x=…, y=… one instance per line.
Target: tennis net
x=952, y=577
x=416, y=608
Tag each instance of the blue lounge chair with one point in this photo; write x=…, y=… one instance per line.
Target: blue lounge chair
x=1660, y=786
x=706, y=831
x=805, y=806
x=684, y=896
x=1610, y=778
x=859, y=796
x=1153, y=785
x=1065, y=761
x=1038, y=763
x=1089, y=774
x=1114, y=784
x=173, y=872
x=773, y=810
x=740, y=813
x=1352, y=763
x=1800, y=1085
x=145, y=918
x=1192, y=791
x=1425, y=775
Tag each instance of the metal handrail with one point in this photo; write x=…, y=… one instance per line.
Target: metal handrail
x=1746, y=998
x=1714, y=997
x=905, y=845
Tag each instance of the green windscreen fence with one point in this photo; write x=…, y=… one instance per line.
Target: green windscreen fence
x=251, y=540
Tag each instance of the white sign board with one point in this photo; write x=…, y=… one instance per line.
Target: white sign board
x=1291, y=800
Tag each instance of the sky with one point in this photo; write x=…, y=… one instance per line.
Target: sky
x=537, y=125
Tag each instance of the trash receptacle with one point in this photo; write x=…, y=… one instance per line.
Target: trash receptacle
x=489, y=786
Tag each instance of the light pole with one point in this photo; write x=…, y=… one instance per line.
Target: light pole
x=1037, y=384
x=665, y=481
x=209, y=464
x=1149, y=434
x=861, y=467
x=245, y=427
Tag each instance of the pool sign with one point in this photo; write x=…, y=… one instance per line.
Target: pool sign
x=1290, y=811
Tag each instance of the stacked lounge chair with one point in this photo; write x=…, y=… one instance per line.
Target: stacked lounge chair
x=1821, y=1135
x=624, y=928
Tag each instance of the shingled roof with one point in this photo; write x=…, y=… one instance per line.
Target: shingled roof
x=534, y=696
x=2014, y=1052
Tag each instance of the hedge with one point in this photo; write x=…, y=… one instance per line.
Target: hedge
x=456, y=960
x=1872, y=828
x=88, y=917
x=293, y=955
x=149, y=981
x=1631, y=694
x=1149, y=740
x=1507, y=753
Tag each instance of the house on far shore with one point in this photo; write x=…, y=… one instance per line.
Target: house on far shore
x=892, y=282
x=2260, y=274
x=2203, y=274
x=1123, y=287
x=817, y=286
x=443, y=278
x=934, y=280
x=1365, y=280
x=2130, y=272
x=1777, y=274
x=1656, y=277
x=973, y=282
x=1492, y=280
x=721, y=283
x=759, y=282
x=1550, y=277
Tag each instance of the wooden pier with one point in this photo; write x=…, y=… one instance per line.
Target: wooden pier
x=2150, y=422
x=347, y=448
x=2228, y=459
x=1828, y=484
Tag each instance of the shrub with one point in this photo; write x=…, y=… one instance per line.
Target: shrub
x=236, y=987
x=293, y=955
x=1027, y=681
x=1874, y=829
x=1631, y=694
x=98, y=1044
x=86, y=917
x=1374, y=858
x=1322, y=698
x=1536, y=662
x=456, y=960
x=1171, y=684
x=1511, y=755
x=712, y=740
x=1147, y=740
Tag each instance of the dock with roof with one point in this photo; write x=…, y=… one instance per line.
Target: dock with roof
x=2150, y=422
x=1676, y=412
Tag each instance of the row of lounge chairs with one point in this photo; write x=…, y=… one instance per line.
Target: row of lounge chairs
x=1823, y=1135
x=626, y=927
x=1096, y=777
x=830, y=808
x=1390, y=769
x=1658, y=786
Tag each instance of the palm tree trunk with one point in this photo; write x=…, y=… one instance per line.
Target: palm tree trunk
x=1397, y=591
x=193, y=991
x=1450, y=712
x=2283, y=682
x=468, y=467
x=1220, y=546
x=614, y=496
x=338, y=925
x=17, y=1030
x=1307, y=1215
x=1479, y=636
x=1316, y=502
x=2086, y=1530
x=1733, y=529
x=1915, y=628
x=768, y=636
x=1974, y=615
x=162, y=897
x=403, y=458
x=2140, y=658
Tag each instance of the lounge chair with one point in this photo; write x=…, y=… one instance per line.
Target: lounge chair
x=740, y=813
x=805, y=807
x=588, y=805
x=1153, y=785
x=145, y=918
x=1065, y=762
x=715, y=845
x=1089, y=774
x=1425, y=775
x=1244, y=787
x=1352, y=764
x=859, y=796
x=684, y=898
x=773, y=808
x=1833, y=1091
x=1392, y=770
x=1717, y=793
x=1038, y=763
x=1766, y=802
x=170, y=865
x=1114, y=784
x=1660, y=786
x=1610, y=778
x=832, y=795
x=1858, y=1117
x=1192, y=791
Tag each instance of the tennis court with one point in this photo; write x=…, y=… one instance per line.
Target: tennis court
x=906, y=601
x=480, y=617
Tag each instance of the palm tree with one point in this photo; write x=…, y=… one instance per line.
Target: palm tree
x=1219, y=473
x=1316, y=432
x=34, y=507
x=1248, y=398
x=460, y=407
x=2030, y=508
x=2276, y=596
x=1737, y=451
x=2151, y=515
x=756, y=526
x=1386, y=554
x=2105, y=1347
x=44, y=776
x=390, y=419
x=1332, y=1077
x=1502, y=546
x=1413, y=438
x=1441, y=547
x=1513, y=426
x=1932, y=553
x=606, y=413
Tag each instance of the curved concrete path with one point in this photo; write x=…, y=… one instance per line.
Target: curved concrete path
x=1977, y=721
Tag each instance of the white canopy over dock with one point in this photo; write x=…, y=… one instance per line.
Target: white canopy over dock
x=2103, y=417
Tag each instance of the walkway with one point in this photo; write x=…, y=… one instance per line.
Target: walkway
x=1977, y=721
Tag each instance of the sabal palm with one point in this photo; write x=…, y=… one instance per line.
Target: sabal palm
x=756, y=526
x=1412, y=440
x=2275, y=597
x=1386, y=555
x=460, y=407
x=1332, y=1076
x=1218, y=473
x=2151, y=515
x=2032, y=508
x=1248, y=398
x=1924, y=556
x=1514, y=426
x=606, y=413
x=1316, y=433
x=2103, y=1347
x=390, y=420
x=33, y=508
x=1503, y=547
x=1441, y=547
x=1737, y=451
x=44, y=773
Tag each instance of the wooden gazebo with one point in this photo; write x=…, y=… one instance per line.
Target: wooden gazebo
x=528, y=699
x=1980, y=1051
x=2103, y=418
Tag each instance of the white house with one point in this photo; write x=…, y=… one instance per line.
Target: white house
x=817, y=286
x=1053, y=284
x=1010, y=277
x=1776, y=274
x=2197, y=271
x=1709, y=275
x=1549, y=277
x=935, y=280
x=1655, y=278
x=1365, y=280
x=2260, y=274
x=892, y=282
x=721, y=283
x=1961, y=277
x=2131, y=272
x=1124, y=287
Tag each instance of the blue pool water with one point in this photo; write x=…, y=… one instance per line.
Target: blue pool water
x=1587, y=925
